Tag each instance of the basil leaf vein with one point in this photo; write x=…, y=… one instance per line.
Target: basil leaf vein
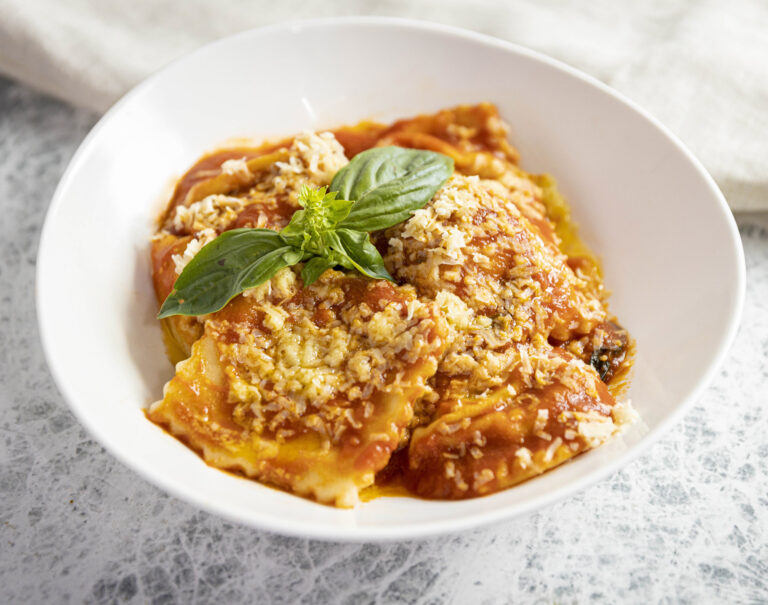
x=315, y=267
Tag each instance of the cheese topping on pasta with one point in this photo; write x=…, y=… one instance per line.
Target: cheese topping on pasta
x=491, y=360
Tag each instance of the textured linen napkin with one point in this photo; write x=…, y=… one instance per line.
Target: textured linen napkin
x=700, y=66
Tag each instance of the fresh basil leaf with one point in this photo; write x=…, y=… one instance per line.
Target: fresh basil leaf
x=356, y=247
x=235, y=261
x=295, y=232
x=388, y=184
x=337, y=210
x=315, y=267
x=296, y=224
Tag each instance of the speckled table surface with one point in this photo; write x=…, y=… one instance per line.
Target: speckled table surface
x=687, y=522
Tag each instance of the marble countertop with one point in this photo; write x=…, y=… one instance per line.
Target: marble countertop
x=685, y=523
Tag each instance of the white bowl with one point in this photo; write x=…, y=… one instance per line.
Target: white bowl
x=671, y=251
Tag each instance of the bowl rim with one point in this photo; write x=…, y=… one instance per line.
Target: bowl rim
x=308, y=529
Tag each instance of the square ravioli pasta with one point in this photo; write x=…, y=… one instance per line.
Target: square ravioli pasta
x=308, y=389
x=546, y=407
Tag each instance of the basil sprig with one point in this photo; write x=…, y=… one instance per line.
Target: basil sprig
x=379, y=188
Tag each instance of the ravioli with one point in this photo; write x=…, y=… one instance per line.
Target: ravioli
x=476, y=244
x=309, y=389
x=550, y=407
x=230, y=190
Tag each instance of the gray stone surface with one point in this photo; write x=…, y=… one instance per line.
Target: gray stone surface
x=685, y=523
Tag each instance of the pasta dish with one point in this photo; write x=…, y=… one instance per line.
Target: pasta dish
x=384, y=307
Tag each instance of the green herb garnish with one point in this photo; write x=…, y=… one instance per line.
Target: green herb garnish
x=379, y=188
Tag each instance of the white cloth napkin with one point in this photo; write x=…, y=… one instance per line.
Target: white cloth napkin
x=700, y=66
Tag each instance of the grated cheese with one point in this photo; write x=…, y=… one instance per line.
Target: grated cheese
x=193, y=247
x=212, y=212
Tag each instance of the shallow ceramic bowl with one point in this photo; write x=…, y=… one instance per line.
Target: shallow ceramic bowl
x=671, y=251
